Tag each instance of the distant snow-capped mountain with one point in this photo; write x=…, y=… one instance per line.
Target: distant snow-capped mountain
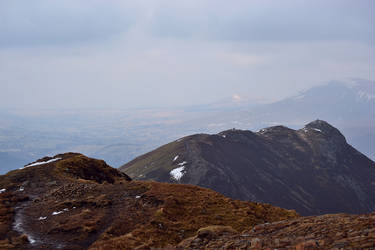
x=348, y=105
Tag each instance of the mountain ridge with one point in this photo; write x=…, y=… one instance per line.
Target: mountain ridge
x=297, y=169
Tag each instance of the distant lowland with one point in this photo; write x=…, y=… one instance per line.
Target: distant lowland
x=119, y=136
x=277, y=187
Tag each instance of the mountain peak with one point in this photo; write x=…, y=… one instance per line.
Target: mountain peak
x=326, y=129
x=68, y=166
x=297, y=169
x=276, y=129
x=320, y=124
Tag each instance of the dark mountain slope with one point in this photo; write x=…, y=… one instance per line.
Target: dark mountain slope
x=312, y=170
x=74, y=202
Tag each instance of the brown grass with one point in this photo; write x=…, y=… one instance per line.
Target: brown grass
x=104, y=210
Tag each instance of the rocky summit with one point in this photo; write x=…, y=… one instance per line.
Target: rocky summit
x=312, y=170
x=70, y=201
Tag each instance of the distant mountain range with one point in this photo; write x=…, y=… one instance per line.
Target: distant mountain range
x=70, y=201
x=313, y=169
x=349, y=106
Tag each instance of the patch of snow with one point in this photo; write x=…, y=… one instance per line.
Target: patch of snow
x=31, y=239
x=138, y=196
x=224, y=136
x=74, y=207
x=182, y=163
x=56, y=213
x=177, y=173
x=308, y=129
x=18, y=226
x=365, y=96
x=42, y=218
x=2, y=190
x=175, y=158
x=66, y=210
x=41, y=163
x=316, y=129
x=21, y=189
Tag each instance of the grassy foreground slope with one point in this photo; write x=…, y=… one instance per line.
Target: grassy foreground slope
x=71, y=201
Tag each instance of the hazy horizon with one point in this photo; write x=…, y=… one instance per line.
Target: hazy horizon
x=125, y=54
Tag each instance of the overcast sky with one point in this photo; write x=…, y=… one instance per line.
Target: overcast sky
x=144, y=53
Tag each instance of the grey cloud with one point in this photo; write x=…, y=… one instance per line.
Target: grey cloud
x=270, y=21
x=42, y=22
x=164, y=52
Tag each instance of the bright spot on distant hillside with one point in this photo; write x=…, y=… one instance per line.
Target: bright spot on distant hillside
x=236, y=98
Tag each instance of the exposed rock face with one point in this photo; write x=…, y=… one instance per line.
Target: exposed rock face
x=313, y=170
x=339, y=231
x=74, y=202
